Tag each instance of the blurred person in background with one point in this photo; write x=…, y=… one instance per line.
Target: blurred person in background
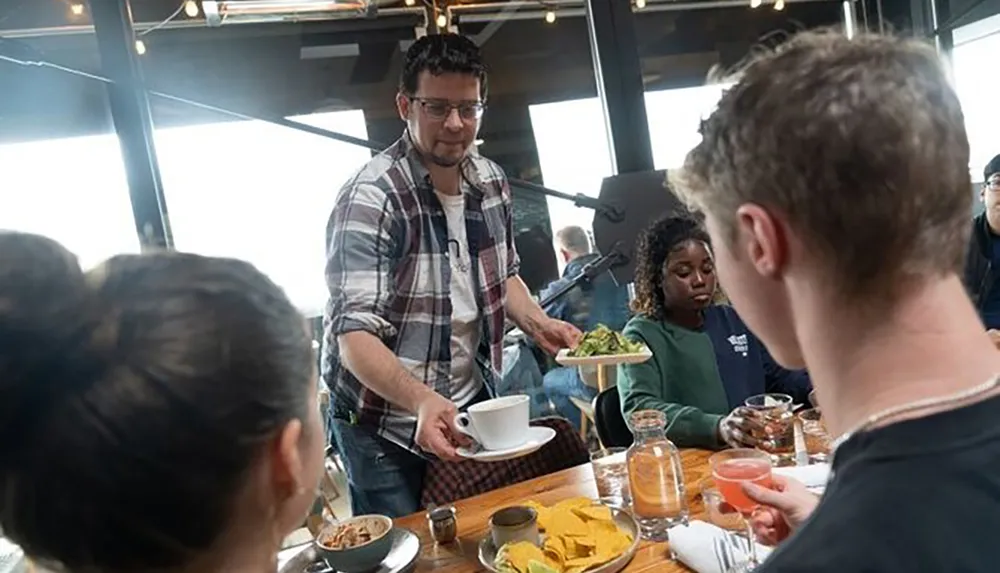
x=705, y=362
x=839, y=235
x=157, y=413
x=591, y=302
x=983, y=259
x=423, y=275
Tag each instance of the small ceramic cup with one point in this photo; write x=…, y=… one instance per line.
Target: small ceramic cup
x=514, y=524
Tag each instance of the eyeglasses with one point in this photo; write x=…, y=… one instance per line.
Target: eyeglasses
x=993, y=184
x=439, y=109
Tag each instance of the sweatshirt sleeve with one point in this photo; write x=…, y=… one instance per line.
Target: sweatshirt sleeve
x=795, y=383
x=647, y=386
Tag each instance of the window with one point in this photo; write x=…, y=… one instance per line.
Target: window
x=977, y=84
x=674, y=117
x=262, y=193
x=61, y=171
x=573, y=147
x=573, y=154
x=72, y=190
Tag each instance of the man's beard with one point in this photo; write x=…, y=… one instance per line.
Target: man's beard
x=444, y=161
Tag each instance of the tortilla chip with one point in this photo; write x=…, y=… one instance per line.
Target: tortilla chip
x=521, y=554
x=544, y=514
x=580, y=535
x=562, y=521
x=585, y=562
x=555, y=549
x=598, y=512
x=573, y=503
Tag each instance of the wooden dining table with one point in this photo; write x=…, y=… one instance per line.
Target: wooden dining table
x=473, y=516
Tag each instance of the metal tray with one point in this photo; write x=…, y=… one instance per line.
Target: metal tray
x=624, y=520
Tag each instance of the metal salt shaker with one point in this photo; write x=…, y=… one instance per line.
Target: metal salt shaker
x=443, y=524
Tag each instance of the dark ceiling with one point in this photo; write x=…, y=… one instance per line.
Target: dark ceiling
x=264, y=69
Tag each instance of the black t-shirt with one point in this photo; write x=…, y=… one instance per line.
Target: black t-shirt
x=919, y=495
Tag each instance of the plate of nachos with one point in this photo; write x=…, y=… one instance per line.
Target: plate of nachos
x=579, y=535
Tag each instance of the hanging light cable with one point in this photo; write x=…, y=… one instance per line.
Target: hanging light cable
x=168, y=20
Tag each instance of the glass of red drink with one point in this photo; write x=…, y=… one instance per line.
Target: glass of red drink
x=730, y=470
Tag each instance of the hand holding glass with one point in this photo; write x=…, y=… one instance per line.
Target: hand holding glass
x=730, y=470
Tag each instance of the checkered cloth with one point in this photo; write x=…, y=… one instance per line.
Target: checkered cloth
x=447, y=482
x=388, y=272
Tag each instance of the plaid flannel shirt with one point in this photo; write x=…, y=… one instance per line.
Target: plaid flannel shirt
x=389, y=274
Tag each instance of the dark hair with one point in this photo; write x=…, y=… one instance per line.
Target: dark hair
x=654, y=248
x=832, y=133
x=442, y=54
x=991, y=168
x=134, y=399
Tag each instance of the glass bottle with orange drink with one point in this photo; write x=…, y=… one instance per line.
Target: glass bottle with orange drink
x=656, y=478
x=730, y=470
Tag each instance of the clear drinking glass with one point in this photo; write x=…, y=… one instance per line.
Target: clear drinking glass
x=814, y=434
x=719, y=512
x=772, y=424
x=656, y=478
x=730, y=470
x=610, y=467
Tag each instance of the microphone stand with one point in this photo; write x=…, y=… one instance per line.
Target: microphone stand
x=587, y=274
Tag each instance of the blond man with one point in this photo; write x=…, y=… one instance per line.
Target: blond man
x=834, y=177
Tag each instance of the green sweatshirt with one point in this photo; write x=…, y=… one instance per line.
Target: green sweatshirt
x=681, y=379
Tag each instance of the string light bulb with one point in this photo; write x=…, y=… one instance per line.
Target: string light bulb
x=442, y=21
x=779, y=5
x=411, y=2
x=140, y=47
x=640, y=4
x=76, y=9
x=550, y=16
x=755, y=3
x=191, y=9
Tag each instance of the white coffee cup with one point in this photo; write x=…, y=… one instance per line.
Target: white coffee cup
x=497, y=424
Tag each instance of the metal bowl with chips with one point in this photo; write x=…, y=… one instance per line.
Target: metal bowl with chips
x=624, y=522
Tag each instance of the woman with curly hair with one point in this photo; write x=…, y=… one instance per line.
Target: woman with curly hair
x=705, y=362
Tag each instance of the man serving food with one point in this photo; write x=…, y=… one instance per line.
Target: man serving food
x=422, y=273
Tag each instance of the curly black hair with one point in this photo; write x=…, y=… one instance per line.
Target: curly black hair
x=655, y=245
x=442, y=54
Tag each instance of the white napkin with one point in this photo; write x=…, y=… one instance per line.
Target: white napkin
x=814, y=477
x=694, y=546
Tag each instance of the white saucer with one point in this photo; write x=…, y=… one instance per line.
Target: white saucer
x=538, y=436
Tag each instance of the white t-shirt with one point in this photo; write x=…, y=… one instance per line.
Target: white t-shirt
x=466, y=380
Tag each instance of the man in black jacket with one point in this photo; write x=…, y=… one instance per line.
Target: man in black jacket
x=983, y=260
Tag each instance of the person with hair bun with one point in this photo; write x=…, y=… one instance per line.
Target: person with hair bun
x=705, y=362
x=156, y=413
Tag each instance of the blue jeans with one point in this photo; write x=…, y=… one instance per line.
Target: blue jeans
x=383, y=477
x=563, y=382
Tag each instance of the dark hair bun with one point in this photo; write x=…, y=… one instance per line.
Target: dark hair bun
x=43, y=318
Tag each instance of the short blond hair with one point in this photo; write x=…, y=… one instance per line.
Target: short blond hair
x=859, y=143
